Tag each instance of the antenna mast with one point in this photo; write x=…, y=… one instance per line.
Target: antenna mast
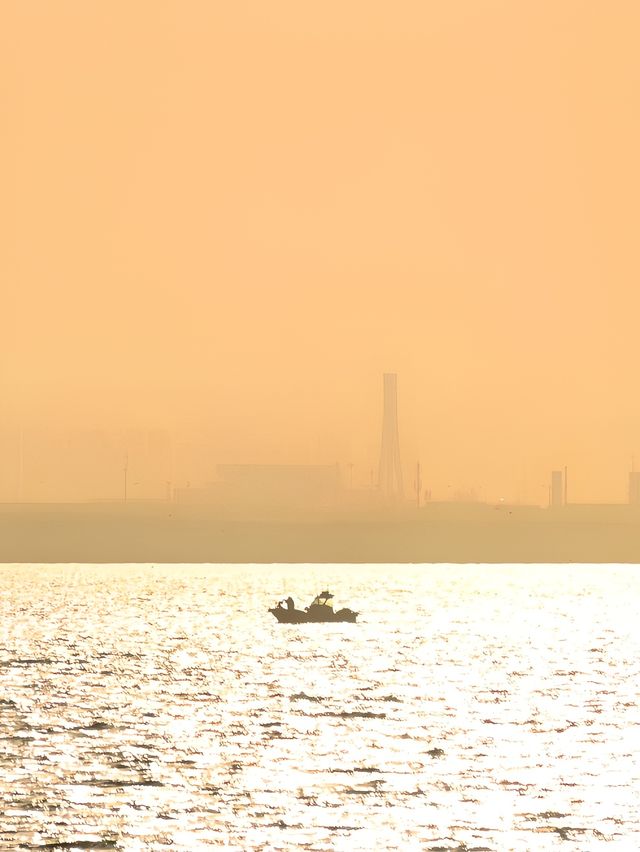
x=390, y=469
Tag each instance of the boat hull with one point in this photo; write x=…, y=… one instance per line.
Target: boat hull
x=298, y=616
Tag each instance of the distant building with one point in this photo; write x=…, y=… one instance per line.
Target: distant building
x=634, y=488
x=210, y=494
x=280, y=485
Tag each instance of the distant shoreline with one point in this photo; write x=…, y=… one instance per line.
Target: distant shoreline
x=119, y=533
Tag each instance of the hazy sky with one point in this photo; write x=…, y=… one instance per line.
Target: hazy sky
x=229, y=218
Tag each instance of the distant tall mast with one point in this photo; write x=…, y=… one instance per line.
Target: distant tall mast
x=390, y=469
x=21, y=466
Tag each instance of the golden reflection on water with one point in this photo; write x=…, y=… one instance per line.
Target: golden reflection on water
x=486, y=707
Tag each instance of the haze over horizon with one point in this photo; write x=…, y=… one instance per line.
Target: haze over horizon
x=224, y=222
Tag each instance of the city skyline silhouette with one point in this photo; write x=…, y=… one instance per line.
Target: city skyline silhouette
x=155, y=464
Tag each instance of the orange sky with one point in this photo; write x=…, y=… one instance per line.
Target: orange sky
x=228, y=219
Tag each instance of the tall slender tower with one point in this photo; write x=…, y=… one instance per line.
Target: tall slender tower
x=21, y=466
x=390, y=470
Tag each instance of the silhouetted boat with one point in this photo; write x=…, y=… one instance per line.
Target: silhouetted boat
x=319, y=610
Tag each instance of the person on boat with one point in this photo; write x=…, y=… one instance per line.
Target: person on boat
x=290, y=604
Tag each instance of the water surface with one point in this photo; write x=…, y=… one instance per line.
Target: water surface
x=471, y=707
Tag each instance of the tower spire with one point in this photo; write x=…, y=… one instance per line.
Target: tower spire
x=390, y=469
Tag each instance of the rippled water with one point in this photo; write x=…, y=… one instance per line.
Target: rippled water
x=471, y=707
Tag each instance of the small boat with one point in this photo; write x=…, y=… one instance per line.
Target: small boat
x=319, y=610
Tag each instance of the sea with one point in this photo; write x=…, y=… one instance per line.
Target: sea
x=471, y=707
